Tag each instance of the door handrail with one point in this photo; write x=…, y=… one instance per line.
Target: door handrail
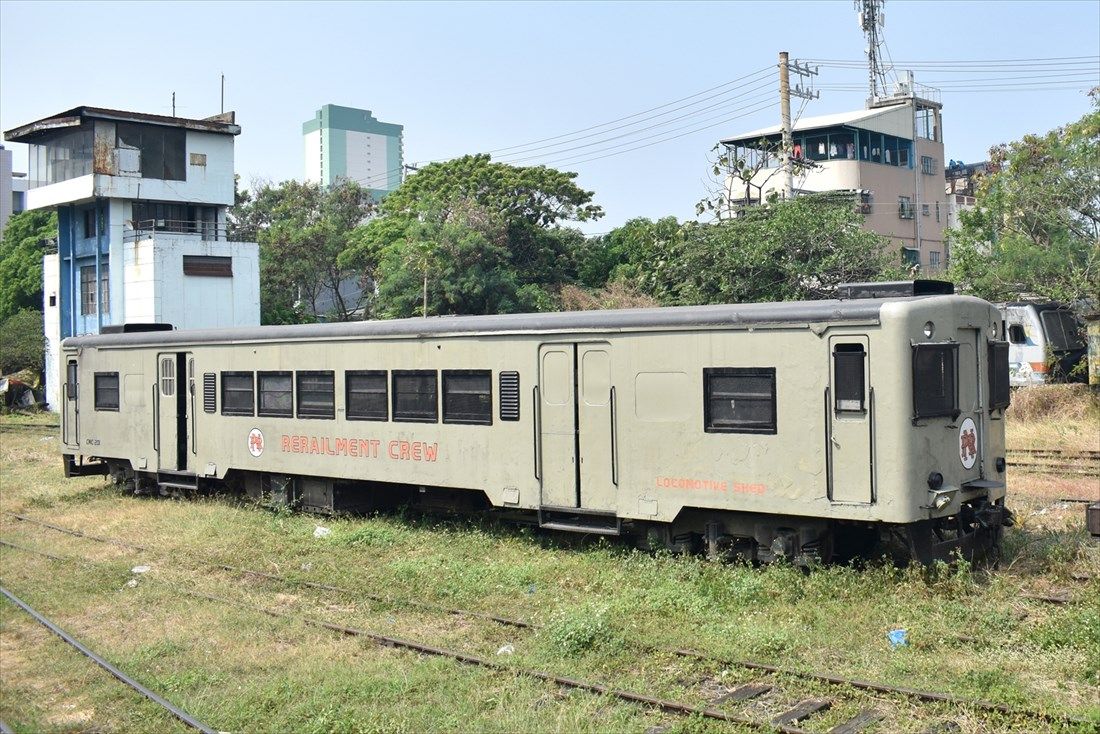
x=535, y=426
x=156, y=420
x=65, y=414
x=191, y=406
x=828, y=447
x=871, y=421
x=614, y=443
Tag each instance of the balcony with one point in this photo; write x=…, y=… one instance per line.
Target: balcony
x=201, y=229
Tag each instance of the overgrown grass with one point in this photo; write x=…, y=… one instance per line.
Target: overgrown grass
x=607, y=612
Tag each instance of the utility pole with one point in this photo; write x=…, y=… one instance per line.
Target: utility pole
x=785, y=93
x=223, y=94
x=785, y=122
x=173, y=104
x=917, y=211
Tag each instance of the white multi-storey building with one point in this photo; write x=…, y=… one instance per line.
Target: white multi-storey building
x=141, y=202
x=887, y=158
x=349, y=143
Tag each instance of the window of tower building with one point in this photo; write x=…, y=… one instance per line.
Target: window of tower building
x=160, y=151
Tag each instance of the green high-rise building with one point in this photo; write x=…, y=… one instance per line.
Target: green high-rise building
x=349, y=143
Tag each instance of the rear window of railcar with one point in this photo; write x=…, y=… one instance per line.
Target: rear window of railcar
x=106, y=391
x=935, y=383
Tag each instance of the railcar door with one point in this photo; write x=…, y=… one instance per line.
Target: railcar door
x=174, y=393
x=70, y=406
x=576, y=431
x=971, y=420
x=558, y=425
x=850, y=421
x=596, y=414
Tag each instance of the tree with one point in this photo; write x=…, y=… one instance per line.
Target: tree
x=537, y=195
x=1036, y=224
x=453, y=265
x=303, y=229
x=470, y=236
x=792, y=250
x=24, y=243
x=23, y=345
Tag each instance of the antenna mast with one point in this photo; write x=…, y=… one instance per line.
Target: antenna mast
x=872, y=20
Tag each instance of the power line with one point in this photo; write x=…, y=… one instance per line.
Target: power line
x=722, y=100
x=751, y=76
x=757, y=88
x=662, y=140
x=958, y=62
x=636, y=114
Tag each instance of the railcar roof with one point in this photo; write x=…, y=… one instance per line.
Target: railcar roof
x=675, y=317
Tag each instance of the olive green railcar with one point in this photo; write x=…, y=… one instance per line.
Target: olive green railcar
x=771, y=430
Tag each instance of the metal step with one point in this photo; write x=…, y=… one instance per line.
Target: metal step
x=579, y=520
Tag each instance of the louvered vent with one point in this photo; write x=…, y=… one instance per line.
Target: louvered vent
x=209, y=392
x=509, y=396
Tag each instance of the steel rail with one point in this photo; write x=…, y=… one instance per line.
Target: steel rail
x=168, y=706
x=669, y=705
x=922, y=695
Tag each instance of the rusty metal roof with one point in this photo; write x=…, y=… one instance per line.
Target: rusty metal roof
x=224, y=123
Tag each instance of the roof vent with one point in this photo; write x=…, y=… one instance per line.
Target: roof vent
x=895, y=289
x=133, y=328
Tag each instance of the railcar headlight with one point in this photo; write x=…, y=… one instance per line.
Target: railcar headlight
x=929, y=329
x=935, y=481
x=941, y=501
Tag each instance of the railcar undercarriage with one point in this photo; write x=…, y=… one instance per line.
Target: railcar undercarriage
x=974, y=533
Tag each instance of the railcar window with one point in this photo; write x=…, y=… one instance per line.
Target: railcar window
x=237, y=393
x=275, y=391
x=935, y=389
x=509, y=396
x=106, y=391
x=414, y=396
x=210, y=392
x=999, y=394
x=168, y=376
x=367, y=397
x=468, y=397
x=849, y=377
x=316, y=394
x=70, y=380
x=1016, y=334
x=739, y=400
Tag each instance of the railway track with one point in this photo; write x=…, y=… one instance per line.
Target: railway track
x=1056, y=461
x=769, y=682
x=84, y=650
x=7, y=427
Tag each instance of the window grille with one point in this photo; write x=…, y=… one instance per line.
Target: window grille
x=316, y=394
x=106, y=391
x=415, y=396
x=739, y=400
x=468, y=396
x=367, y=395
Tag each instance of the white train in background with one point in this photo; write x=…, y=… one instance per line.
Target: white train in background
x=1046, y=342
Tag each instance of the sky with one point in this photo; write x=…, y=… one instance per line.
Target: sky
x=477, y=77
